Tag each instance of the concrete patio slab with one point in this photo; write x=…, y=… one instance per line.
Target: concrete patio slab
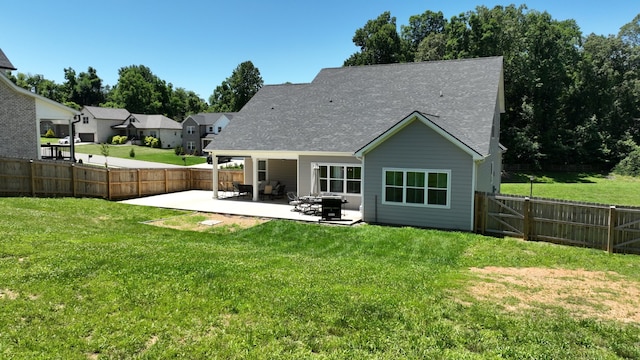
x=203, y=201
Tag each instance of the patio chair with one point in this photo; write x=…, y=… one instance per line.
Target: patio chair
x=236, y=188
x=268, y=191
x=298, y=205
x=278, y=191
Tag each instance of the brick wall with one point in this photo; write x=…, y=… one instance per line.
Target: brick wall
x=17, y=124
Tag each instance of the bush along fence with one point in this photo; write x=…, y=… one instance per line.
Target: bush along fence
x=606, y=227
x=56, y=178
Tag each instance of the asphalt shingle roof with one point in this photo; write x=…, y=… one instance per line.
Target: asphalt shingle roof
x=5, y=63
x=107, y=113
x=210, y=118
x=155, y=122
x=345, y=108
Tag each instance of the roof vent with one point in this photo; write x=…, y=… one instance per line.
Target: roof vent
x=440, y=93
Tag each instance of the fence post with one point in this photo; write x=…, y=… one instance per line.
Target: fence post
x=108, y=184
x=611, y=229
x=526, y=225
x=166, y=182
x=33, y=178
x=480, y=212
x=476, y=213
x=73, y=179
x=139, y=183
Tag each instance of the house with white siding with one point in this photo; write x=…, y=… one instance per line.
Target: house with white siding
x=406, y=144
x=97, y=123
x=139, y=126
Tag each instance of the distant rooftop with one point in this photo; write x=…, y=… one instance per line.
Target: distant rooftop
x=5, y=63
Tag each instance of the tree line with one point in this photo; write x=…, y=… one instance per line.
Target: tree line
x=141, y=92
x=570, y=98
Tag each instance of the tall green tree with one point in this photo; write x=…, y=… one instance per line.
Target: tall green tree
x=236, y=90
x=379, y=43
x=184, y=103
x=429, y=24
x=89, y=89
x=140, y=91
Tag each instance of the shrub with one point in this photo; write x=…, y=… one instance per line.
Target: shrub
x=118, y=140
x=132, y=153
x=150, y=141
x=50, y=134
x=179, y=150
x=630, y=165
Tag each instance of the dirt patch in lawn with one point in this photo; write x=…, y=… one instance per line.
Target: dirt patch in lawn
x=584, y=294
x=199, y=221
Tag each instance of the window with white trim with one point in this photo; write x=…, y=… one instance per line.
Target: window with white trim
x=340, y=178
x=262, y=170
x=417, y=187
x=191, y=129
x=85, y=119
x=191, y=145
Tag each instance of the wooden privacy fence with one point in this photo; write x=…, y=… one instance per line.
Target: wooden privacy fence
x=610, y=228
x=52, y=178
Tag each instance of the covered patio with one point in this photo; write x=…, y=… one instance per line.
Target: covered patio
x=226, y=203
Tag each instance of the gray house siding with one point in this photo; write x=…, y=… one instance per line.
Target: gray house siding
x=490, y=170
x=305, y=173
x=18, y=116
x=195, y=137
x=419, y=147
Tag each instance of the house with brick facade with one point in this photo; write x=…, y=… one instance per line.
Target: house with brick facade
x=21, y=112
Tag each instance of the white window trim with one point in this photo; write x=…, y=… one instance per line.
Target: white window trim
x=344, y=185
x=426, y=187
x=266, y=169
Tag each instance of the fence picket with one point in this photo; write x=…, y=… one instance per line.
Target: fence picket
x=20, y=177
x=610, y=228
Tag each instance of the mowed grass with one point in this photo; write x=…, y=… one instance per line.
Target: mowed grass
x=85, y=279
x=166, y=156
x=590, y=187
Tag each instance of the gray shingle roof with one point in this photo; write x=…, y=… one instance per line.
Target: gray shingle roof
x=107, y=113
x=209, y=118
x=155, y=122
x=345, y=108
x=5, y=63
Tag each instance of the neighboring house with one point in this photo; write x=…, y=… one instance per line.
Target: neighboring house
x=97, y=123
x=22, y=112
x=408, y=144
x=139, y=126
x=200, y=129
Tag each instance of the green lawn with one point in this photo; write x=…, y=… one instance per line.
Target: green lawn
x=166, y=156
x=597, y=188
x=89, y=280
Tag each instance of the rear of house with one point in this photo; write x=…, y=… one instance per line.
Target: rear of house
x=407, y=144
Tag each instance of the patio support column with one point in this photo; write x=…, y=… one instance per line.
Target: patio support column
x=255, y=178
x=214, y=163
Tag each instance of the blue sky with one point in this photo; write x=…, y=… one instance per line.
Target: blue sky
x=196, y=44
